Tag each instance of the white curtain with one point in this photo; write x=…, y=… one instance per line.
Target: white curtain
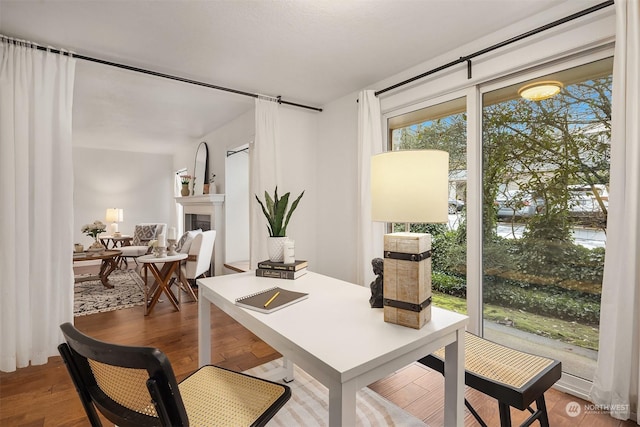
x=36, y=203
x=618, y=371
x=370, y=234
x=264, y=173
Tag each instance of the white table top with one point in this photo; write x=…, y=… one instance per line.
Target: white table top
x=153, y=259
x=335, y=327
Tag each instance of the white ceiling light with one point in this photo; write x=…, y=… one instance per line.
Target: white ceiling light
x=540, y=90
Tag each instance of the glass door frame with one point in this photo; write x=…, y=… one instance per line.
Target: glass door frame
x=474, y=93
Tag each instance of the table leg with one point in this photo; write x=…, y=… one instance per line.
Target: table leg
x=454, y=381
x=146, y=289
x=106, y=267
x=162, y=279
x=167, y=275
x=342, y=404
x=288, y=368
x=204, y=331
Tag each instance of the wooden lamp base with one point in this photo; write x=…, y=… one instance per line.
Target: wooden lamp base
x=407, y=279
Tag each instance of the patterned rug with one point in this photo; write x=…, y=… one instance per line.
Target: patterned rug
x=310, y=401
x=92, y=297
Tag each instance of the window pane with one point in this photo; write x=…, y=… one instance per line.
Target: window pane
x=442, y=127
x=545, y=188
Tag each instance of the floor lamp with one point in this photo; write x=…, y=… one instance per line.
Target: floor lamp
x=409, y=186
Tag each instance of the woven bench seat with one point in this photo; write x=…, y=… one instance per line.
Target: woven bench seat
x=512, y=377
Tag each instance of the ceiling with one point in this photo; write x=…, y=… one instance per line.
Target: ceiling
x=307, y=51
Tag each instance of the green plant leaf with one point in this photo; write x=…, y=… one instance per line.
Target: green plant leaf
x=266, y=214
x=293, y=208
x=280, y=208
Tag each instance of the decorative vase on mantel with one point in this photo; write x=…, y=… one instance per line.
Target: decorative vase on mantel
x=185, y=190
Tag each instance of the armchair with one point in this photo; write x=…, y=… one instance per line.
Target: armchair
x=198, y=261
x=142, y=234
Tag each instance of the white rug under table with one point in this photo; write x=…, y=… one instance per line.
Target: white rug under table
x=309, y=404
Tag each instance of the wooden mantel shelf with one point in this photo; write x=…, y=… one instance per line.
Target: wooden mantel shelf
x=204, y=199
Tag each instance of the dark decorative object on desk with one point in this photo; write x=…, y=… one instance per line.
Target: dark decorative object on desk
x=376, y=286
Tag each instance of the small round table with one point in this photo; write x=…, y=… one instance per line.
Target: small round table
x=109, y=263
x=162, y=276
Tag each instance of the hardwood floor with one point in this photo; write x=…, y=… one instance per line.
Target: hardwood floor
x=45, y=396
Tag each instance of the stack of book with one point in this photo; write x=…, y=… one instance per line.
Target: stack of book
x=280, y=270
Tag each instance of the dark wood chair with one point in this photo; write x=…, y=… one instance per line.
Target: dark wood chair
x=512, y=377
x=135, y=386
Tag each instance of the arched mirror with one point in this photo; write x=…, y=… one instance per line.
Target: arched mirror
x=201, y=168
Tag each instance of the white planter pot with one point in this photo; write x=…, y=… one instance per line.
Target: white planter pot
x=275, y=247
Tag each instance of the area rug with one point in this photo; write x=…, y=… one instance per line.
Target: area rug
x=92, y=297
x=309, y=404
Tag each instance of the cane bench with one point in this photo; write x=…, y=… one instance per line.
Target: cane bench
x=512, y=377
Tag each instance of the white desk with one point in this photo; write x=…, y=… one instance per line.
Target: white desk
x=337, y=337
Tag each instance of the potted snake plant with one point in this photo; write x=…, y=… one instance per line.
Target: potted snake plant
x=275, y=210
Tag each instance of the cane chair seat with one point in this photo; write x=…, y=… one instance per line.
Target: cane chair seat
x=135, y=386
x=512, y=377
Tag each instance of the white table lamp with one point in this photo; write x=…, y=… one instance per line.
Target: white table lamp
x=114, y=216
x=410, y=186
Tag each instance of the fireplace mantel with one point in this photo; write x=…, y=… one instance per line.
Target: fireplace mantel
x=212, y=205
x=203, y=200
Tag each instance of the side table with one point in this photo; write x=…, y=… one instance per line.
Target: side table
x=116, y=242
x=162, y=268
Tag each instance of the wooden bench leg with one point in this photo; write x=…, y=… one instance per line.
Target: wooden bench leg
x=542, y=409
x=505, y=414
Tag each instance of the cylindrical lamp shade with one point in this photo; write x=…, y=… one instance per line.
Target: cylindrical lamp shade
x=410, y=186
x=114, y=215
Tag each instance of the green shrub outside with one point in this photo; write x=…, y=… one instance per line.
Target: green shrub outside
x=522, y=274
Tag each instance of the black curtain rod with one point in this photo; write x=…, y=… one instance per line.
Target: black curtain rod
x=279, y=99
x=182, y=79
x=468, y=58
x=231, y=153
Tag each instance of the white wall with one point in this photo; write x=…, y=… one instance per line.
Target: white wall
x=237, y=132
x=336, y=198
x=139, y=183
x=298, y=149
x=336, y=155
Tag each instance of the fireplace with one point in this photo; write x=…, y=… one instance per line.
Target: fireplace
x=206, y=212
x=197, y=221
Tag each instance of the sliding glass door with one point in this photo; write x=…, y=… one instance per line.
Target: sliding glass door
x=523, y=251
x=545, y=181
